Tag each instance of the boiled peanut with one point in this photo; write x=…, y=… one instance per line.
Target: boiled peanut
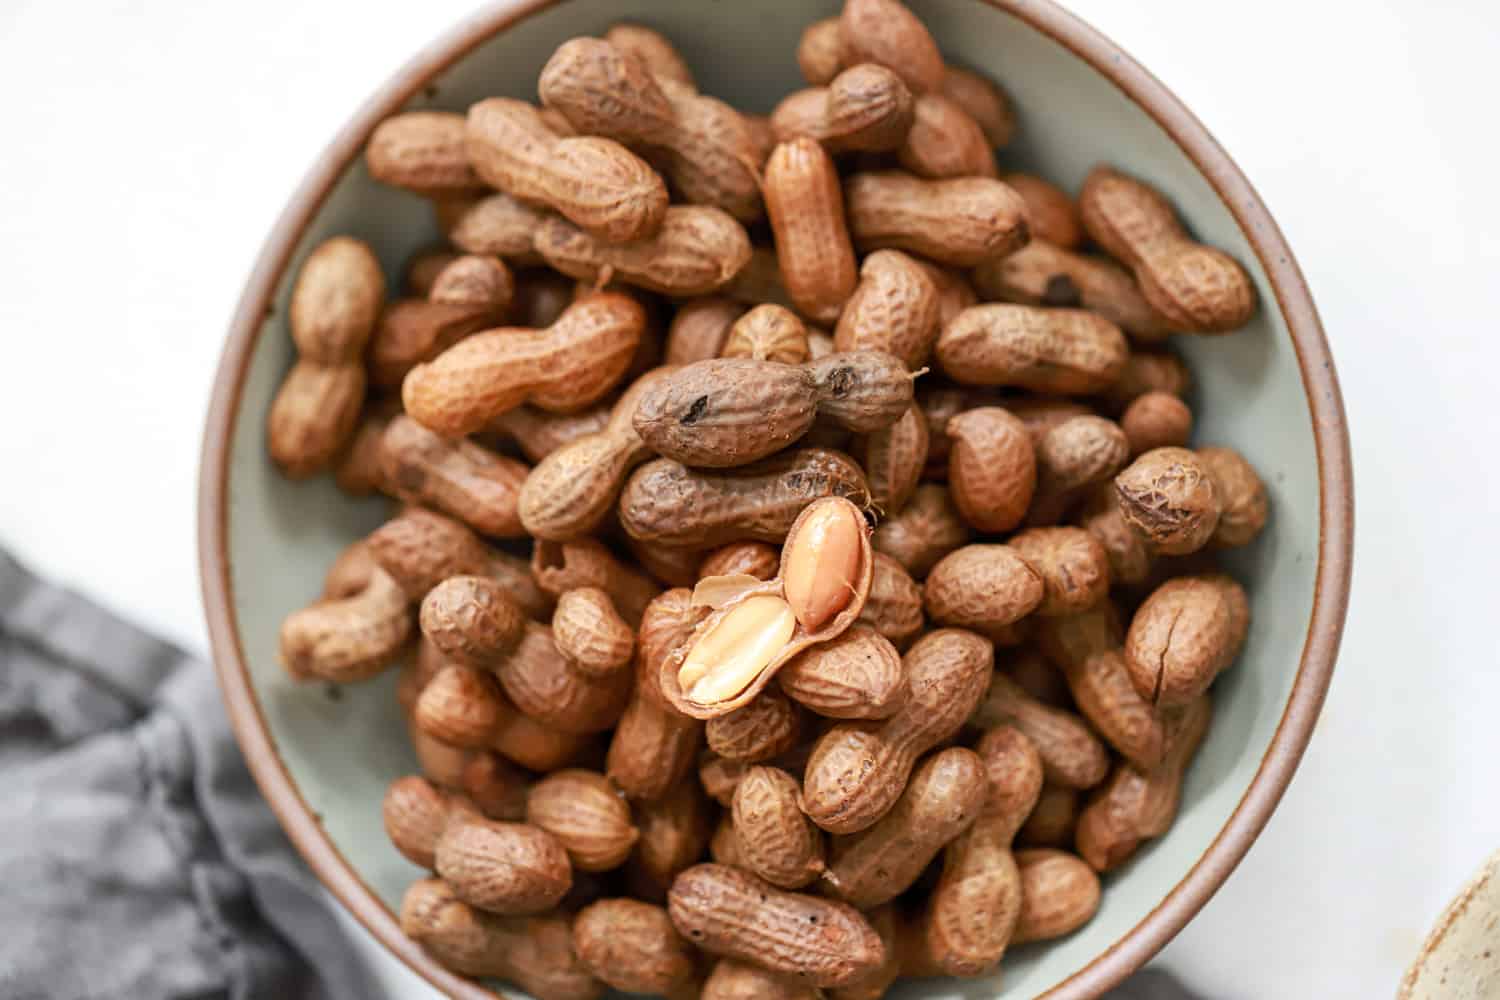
x=985, y=103
x=697, y=250
x=1197, y=288
x=982, y=587
x=972, y=913
x=755, y=559
x=1072, y=455
x=415, y=813
x=1147, y=371
x=856, y=676
x=1071, y=754
x=586, y=815
x=1168, y=495
x=700, y=329
x=590, y=632
x=552, y=691
x=506, y=868
x=1073, y=567
x=1053, y=820
x=893, y=458
x=594, y=182
x=336, y=301
x=536, y=747
x=459, y=478
x=564, y=367
x=1130, y=557
x=774, y=839
x=1045, y=350
x=766, y=727
x=632, y=946
x=497, y=224
x=1059, y=894
x=536, y=954
x=942, y=799
x=574, y=488
x=675, y=830
x=945, y=142
x=654, y=746
x=960, y=222
x=1044, y=414
x=732, y=913
x=1240, y=494
x=439, y=763
x=857, y=770
x=708, y=148
x=1044, y=274
x=1051, y=212
x=422, y=152
x=768, y=333
x=496, y=786
x=1138, y=805
x=873, y=984
x=313, y=416
x=992, y=468
x=1156, y=420
x=661, y=57
x=414, y=331
x=539, y=433
x=820, y=52
x=460, y=706
x=894, y=309
x=1183, y=635
x=927, y=529
x=866, y=108
x=885, y=32
x=558, y=567
x=894, y=607
x=471, y=620
x=806, y=208
x=348, y=638
x=666, y=502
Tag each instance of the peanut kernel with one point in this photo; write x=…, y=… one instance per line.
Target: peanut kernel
x=822, y=562
x=740, y=646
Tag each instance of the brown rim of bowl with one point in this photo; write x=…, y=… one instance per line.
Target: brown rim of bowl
x=1336, y=514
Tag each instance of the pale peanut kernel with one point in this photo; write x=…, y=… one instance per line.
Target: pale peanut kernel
x=737, y=649
x=822, y=564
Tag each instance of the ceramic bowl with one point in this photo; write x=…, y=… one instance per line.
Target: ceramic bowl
x=324, y=759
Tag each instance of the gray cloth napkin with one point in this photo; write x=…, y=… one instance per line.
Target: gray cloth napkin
x=137, y=858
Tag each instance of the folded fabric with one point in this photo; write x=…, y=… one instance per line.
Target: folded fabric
x=139, y=859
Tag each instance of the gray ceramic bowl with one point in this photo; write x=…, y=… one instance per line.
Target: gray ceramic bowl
x=1269, y=390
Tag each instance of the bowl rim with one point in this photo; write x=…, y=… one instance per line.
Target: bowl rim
x=1320, y=384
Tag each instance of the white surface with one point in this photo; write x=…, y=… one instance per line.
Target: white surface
x=149, y=148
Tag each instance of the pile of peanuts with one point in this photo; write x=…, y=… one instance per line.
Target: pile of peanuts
x=753, y=659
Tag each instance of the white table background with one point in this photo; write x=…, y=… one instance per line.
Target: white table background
x=147, y=147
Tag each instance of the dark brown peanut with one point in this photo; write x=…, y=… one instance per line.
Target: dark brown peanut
x=666, y=502
x=767, y=727
x=732, y=913
x=755, y=559
x=1053, y=820
x=1168, y=495
x=1156, y=420
x=1066, y=351
x=460, y=706
x=558, y=567
x=1073, y=567
x=893, y=458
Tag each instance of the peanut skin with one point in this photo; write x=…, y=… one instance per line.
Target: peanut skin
x=857, y=771
x=725, y=911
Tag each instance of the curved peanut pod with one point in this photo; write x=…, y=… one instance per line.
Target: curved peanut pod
x=457, y=477
x=572, y=490
x=351, y=638
x=697, y=250
x=961, y=222
x=1066, y=351
x=666, y=502
x=725, y=687
x=947, y=672
x=728, y=912
x=587, y=350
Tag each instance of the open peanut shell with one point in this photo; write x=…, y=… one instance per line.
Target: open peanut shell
x=726, y=594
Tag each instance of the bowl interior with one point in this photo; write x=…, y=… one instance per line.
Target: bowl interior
x=343, y=746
